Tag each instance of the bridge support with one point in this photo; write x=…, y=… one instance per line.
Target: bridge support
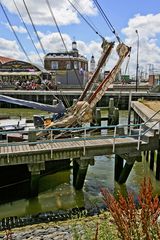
x=35, y=174
x=118, y=167
x=80, y=167
x=151, y=160
x=122, y=172
x=34, y=184
x=125, y=173
x=158, y=166
x=147, y=155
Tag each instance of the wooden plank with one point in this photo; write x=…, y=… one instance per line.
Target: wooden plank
x=27, y=147
x=21, y=148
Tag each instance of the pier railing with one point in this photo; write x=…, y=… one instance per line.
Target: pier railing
x=83, y=134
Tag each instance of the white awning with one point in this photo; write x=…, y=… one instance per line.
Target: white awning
x=20, y=73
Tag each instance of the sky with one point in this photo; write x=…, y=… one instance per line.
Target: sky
x=56, y=31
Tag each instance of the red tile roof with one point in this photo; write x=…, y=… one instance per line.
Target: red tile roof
x=5, y=59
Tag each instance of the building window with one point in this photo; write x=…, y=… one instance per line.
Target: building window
x=75, y=65
x=68, y=65
x=54, y=65
x=85, y=67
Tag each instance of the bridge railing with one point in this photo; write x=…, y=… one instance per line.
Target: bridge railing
x=76, y=134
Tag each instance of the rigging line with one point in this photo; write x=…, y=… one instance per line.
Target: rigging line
x=54, y=19
x=14, y=32
x=96, y=29
x=34, y=27
x=27, y=31
x=107, y=20
x=126, y=68
x=91, y=26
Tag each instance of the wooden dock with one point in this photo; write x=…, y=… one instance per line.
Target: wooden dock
x=142, y=137
x=25, y=152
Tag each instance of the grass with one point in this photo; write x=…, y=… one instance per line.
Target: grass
x=23, y=112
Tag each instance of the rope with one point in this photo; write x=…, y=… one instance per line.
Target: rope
x=27, y=31
x=54, y=19
x=34, y=27
x=91, y=25
x=15, y=33
x=107, y=20
x=119, y=96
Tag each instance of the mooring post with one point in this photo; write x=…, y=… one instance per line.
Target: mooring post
x=34, y=169
x=34, y=184
x=129, y=111
x=158, y=166
x=118, y=167
x=98, y=116
x=32, y=135
x=75, y=171
x=125, y=173
x=79, y=171
x=151, y=160
x=110, y=111
x=147, y=155
x=54, y=102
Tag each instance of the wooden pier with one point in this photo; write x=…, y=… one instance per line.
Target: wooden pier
x=141, y=137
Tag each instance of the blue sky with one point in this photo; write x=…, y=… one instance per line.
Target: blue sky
x=125, y=15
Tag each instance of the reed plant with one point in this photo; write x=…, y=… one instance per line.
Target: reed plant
x=135, y=222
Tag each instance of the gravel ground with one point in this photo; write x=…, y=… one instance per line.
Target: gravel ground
x=64, y=230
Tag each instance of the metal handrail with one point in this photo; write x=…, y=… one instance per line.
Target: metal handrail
x=152, y=117
x=83, y=138
x=144, y=133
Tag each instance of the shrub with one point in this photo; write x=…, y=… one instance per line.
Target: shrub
x=132, y=222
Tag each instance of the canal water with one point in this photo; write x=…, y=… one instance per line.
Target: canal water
x=56, y=191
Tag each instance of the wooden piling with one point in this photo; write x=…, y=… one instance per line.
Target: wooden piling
x=34, y=185
x=151, y=160
x=147, y=156
x=75, y=171
x=125, y=173
x=118, y=167
x=98, y=116
x=158, y=166
x=80, y=167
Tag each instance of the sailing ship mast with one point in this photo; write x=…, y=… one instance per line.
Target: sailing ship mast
x=82, y=111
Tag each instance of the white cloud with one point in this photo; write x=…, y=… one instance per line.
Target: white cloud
x=18, y=29
x=149, y=49
x=148, y=27
x=62, y=10
x=10, y=49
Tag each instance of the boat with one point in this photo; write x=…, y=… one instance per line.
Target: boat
x=10, y=129
x=82, y=111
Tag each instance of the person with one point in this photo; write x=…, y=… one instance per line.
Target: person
x=81, y=71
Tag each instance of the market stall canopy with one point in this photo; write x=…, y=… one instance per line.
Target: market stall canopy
x=20, y=73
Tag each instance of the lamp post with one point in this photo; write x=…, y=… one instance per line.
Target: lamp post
x=137, y=65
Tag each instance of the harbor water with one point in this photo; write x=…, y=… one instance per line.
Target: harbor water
x=56, y=191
